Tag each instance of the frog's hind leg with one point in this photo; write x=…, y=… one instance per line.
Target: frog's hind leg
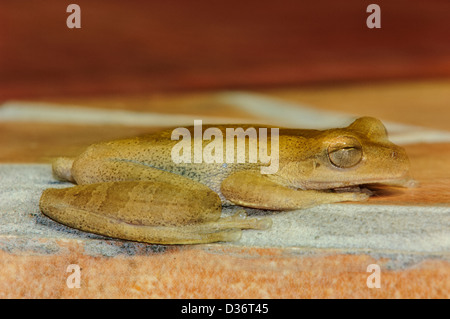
x=146, y=211
x=223, y=230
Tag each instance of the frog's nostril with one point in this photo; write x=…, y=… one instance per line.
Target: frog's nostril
x=394, y=154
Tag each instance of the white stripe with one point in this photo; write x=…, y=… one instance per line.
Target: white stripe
x=267, y=110
x=49, y=113
x=296, y=115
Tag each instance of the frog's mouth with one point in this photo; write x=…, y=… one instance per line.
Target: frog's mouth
x=356, y=185
x=369, y=186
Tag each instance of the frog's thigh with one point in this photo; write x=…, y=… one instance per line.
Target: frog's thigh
x=254, y=190
x=89, y=171
x=146, y=211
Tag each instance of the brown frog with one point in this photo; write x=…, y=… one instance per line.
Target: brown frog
x=132, y=189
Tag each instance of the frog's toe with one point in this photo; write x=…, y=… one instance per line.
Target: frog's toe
x=352, y=196
x=240, y=220
x=360, y=196
x=227, y=235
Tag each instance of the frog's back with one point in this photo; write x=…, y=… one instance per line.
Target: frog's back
x=154, y=151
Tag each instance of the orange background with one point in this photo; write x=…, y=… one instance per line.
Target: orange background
x=143, y=46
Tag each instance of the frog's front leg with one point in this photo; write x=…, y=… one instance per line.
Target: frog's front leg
x=251, y=189
x=146, y=211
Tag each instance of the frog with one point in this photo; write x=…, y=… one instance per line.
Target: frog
x=131, y=189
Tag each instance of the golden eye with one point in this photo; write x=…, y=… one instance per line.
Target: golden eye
x=345, y=152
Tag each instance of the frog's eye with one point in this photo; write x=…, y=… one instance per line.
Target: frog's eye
x=345, y=152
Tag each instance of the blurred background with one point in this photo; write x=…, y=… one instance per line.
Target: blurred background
x=142, y=47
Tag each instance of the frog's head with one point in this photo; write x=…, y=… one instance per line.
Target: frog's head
x=358, y=154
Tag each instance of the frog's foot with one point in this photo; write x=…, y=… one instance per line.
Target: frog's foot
x=353, y=193
x=239, y=221
x=352, y=196
x=353, y=189
x=224, y=229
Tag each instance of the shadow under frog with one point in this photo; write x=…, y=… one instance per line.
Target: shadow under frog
x=131, y=189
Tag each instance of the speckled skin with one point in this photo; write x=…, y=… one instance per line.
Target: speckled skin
x=131, y=188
